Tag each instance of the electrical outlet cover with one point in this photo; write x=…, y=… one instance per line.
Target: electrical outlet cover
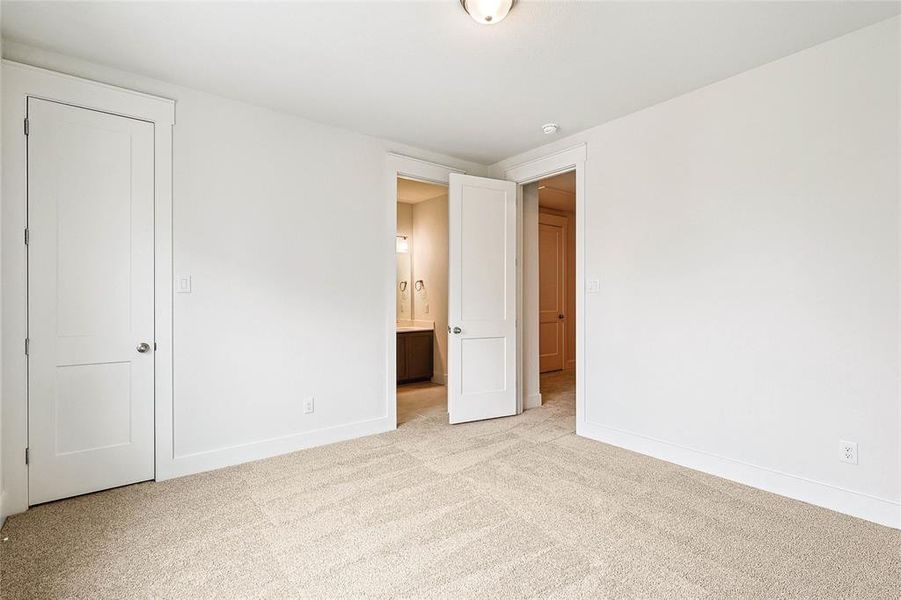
x=847, y=452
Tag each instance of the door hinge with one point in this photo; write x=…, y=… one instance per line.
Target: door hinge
x=27, y=456
x=26, y=236
x=26, y=125
x=26, y=346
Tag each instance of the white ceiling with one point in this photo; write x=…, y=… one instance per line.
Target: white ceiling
x=424, y=73
x=414, y=192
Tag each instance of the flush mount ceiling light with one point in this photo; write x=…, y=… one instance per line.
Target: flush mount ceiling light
x=550, y=128
x=487, y=12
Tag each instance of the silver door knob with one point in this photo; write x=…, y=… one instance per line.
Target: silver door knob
x=457, y=330
x=143, y=347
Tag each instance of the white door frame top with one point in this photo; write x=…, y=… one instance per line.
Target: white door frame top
x=399, y=165
x=19, y=83
x=571, y=159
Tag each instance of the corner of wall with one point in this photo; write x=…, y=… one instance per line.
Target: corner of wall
x=533, y=401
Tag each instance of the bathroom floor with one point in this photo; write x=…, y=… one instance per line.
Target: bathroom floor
x=420, y=399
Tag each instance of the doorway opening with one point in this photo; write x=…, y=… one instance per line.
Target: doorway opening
x=421, y=289
x=556, y=288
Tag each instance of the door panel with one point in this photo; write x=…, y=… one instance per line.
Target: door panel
x=551, y=291
x=483, y=294
x=482, y=299
x=90, y=300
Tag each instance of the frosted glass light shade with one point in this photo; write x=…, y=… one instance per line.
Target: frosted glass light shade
x=487, y=12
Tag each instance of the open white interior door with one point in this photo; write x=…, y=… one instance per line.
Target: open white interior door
x=482, y=302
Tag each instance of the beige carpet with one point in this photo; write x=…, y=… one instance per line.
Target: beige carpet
x=511, y=508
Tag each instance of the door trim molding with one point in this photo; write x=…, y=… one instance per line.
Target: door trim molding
x=19, y=82
x=398, y=165
x=568, y=159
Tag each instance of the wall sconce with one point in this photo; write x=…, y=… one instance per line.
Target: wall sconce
x=402, y=244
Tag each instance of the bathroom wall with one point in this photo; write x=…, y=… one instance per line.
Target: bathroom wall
x=430, y=264
x=404, y=262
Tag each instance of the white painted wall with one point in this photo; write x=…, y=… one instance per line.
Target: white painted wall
x=257, y=196
x=430, y=264
x=746, y=239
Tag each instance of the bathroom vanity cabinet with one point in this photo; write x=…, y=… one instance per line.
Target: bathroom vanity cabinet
x=414, y=355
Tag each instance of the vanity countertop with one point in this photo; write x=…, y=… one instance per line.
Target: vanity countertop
x=409, y=329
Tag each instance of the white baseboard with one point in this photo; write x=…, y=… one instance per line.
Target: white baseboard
x=533, y=401
x=879, y=510
x=225, y=457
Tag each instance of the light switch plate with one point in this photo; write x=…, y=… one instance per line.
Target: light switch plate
x=594, y=286
x=183, y=284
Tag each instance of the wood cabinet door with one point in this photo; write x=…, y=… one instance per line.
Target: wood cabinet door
x=401, y=357
x=419, y=355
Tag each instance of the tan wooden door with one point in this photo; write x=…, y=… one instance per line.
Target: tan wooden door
x=551, y=291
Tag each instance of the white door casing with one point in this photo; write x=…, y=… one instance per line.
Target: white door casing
x=552, y=291
x=90, y=300
x=482, y=299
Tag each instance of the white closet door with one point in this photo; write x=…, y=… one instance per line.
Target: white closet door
x=482, y=299
x=90, y=300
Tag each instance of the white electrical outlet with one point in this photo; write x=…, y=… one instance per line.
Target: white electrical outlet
x=308, y=405
x=847, y=452
x=593, y=286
